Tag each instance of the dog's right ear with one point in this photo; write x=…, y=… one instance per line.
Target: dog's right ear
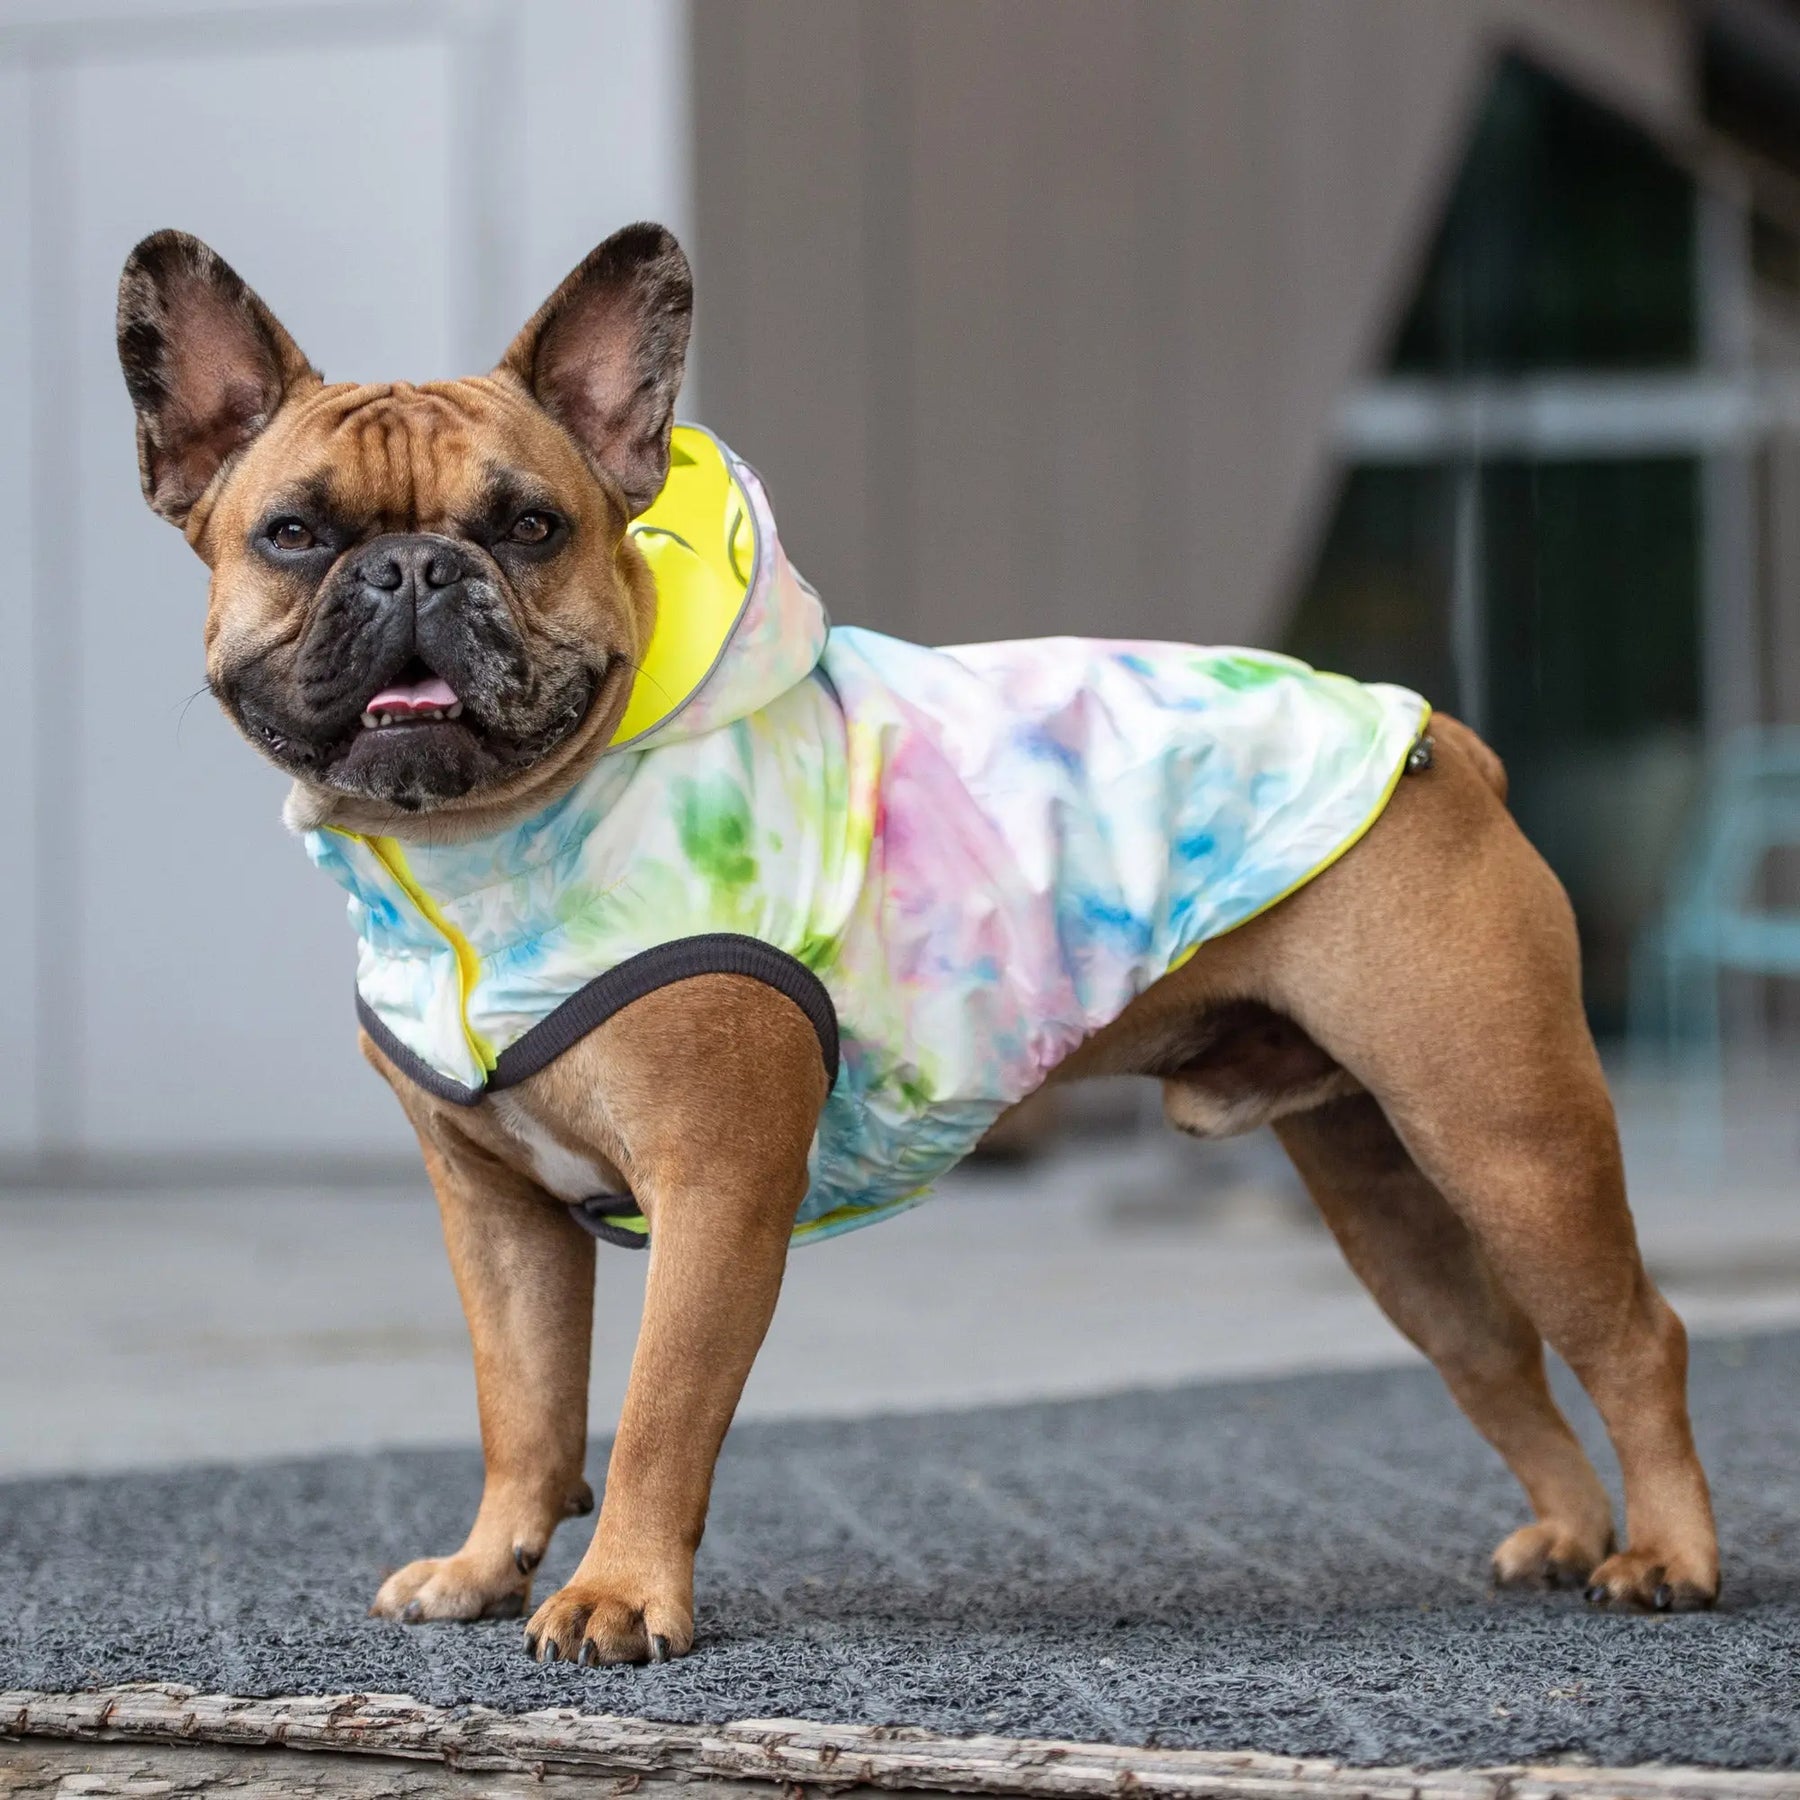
x=207, y=365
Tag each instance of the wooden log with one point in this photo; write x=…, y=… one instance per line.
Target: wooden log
x=797, y=1751
x=42, y=1768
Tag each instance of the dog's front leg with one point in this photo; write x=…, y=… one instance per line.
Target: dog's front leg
x=525, y=1271
x=714, y=1088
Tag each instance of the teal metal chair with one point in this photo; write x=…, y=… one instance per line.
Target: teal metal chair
x=1714, y=920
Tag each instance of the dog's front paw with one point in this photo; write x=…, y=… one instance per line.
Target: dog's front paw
x=454, y=1587
x=1656, y=1581
x=611, y=1620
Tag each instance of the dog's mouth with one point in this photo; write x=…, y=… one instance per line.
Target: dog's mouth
x=416, y=696
x=414, y=738
x=417, y=741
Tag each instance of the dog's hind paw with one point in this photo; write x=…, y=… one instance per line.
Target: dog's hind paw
x=1655, y=1581
x=1548, y=1555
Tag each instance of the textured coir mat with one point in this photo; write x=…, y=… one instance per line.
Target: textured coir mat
x=1292, y=1566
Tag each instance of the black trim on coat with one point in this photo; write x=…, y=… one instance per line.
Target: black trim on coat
x=711, y=953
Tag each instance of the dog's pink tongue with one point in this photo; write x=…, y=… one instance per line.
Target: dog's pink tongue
x=417, y=696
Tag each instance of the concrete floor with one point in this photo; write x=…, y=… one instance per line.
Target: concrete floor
x=168, y=1326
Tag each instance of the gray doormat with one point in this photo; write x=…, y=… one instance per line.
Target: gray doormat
x=1294, y=1566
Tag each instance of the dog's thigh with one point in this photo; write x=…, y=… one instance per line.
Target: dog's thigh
x=1428, y=1274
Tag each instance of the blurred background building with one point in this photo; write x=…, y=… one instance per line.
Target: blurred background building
x=1457, y=344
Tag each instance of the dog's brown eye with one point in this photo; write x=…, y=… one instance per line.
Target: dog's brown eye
x=290, y=534
x=532, y=527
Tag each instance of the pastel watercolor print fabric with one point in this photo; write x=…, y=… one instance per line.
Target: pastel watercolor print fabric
x=983, y=853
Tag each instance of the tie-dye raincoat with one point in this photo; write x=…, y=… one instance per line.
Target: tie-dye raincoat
x=982, y=853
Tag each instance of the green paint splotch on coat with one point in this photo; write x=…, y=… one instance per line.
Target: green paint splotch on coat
x=715, y=831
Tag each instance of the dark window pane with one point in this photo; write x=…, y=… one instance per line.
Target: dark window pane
x=1568, y=242
x=1591, y=573
x=1593, y=683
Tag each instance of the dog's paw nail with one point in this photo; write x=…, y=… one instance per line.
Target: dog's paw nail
x=525, y=1560
x=590, y=1653
x=531, y=1645
x=1664, y=1598
x=1596, y=1594
x=659, y=1648
x=414, y=1612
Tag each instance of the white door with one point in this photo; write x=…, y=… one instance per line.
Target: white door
x=179, y=984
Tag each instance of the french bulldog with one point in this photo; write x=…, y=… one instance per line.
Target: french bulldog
x=688, y=920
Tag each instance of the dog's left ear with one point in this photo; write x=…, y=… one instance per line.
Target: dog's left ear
x=604, y=356
x=206, y=362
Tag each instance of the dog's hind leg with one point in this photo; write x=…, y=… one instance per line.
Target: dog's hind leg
x=1425, y=1270
x=1521, y=1140
x=1464, y=1020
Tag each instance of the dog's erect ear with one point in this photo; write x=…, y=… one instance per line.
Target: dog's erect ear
x=206, y=362
x=604, y=356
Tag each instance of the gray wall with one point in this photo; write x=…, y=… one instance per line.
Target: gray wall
x=1035, y=315
x=402, y=183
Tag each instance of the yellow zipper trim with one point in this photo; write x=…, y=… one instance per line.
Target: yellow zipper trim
x=841, y=1218
x=468, y=963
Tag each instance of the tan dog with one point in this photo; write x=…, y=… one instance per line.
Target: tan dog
x=1410, y=1020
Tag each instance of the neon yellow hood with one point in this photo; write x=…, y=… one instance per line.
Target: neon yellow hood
x=735, y=625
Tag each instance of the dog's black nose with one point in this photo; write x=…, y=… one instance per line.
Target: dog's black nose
x=399, y=563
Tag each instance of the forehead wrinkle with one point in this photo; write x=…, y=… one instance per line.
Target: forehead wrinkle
x=368, y=444
x=412, y=434
x=397, y=451
x=407, y=450
x=329, y=408
x=435, y=442
x=399, y=456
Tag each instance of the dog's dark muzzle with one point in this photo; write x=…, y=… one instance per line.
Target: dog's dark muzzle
x=419, y=593
x=401, y=606
x=412, y=682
